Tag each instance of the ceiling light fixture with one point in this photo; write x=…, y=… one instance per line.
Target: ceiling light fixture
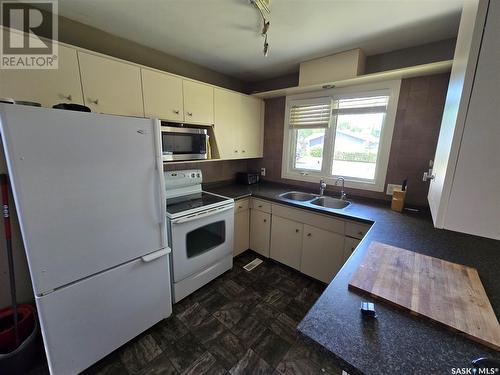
x=261, y=7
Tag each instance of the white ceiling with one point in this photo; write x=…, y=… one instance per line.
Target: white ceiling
x=224, y=35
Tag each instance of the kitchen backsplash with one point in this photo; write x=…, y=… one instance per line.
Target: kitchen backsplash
x=416, y=131
x=213, y=171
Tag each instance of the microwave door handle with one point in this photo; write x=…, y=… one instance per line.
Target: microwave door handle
x=201, y=216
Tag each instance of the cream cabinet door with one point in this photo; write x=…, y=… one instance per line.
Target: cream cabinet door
x=48, y=87
x=198, y=103
x=162, y=95
x=227, y=107
x=260, y=231
x=110, y=86
x=241, y=232
x=252, y=129
x=286, y=241
x=350, y=245
x=322, y=253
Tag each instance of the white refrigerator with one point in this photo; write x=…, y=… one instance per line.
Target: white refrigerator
x=90, y=197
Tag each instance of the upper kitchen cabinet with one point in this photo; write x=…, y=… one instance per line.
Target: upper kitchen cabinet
x=227, y=107
x=252, y=126
x=464, y=189
x=198, y=103
x=47, y=87
x=162, y=95
x=111, y=86
x=238, y=125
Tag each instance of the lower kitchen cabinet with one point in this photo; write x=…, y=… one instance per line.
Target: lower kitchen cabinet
x=322, y=253
x=260, y=231
x=241, y=227
x=286, y=241
x=350, y=245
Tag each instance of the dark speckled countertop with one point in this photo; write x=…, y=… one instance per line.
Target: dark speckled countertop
x=395, y=342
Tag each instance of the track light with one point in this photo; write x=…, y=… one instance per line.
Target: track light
x=265, y=27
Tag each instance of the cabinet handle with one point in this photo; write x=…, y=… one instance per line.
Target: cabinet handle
x=309, y=234
x=176, y=111
x=243, y=151
x=260, y=206
x=189, y=113
x=240, y=206
x=67, y=97
x=235, y=151
x=265, y=220
x=296, y=231
x=96, y=101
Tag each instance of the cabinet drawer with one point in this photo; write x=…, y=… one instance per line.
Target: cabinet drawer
x=350, y=245
x=356, y=230
x=261, y=205
x=320, y=221
x=241, y=205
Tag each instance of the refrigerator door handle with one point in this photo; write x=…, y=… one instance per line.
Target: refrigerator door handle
x=157, y=254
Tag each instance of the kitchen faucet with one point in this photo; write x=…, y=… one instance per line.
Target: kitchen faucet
x=322, y=186
x=342, y=193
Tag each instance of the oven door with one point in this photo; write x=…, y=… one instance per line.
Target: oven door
x=200, y=240
x=179, y=143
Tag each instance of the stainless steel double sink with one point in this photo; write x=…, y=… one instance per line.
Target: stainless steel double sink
x=316, y=200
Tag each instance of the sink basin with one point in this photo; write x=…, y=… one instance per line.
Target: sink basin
x=298, y=196
x=330, y=202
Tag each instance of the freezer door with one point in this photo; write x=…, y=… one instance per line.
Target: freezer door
x=86, y=188
x=85, y=321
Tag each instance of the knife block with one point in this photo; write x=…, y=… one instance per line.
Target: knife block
x=398, y=200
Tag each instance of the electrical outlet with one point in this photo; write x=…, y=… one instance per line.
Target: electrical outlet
x=263, y=171
x=391, y=187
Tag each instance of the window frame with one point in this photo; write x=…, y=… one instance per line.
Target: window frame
x=390, y=88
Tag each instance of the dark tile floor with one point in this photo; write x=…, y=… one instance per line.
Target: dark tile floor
x=241, y=323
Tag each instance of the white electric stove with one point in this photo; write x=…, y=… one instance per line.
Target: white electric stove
x=200, y=227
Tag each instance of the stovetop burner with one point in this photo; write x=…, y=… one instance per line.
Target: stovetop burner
x=192, y=201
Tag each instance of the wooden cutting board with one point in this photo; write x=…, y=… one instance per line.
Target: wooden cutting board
x=448, y=293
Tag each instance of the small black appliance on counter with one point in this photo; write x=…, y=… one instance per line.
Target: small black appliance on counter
x=247, y=178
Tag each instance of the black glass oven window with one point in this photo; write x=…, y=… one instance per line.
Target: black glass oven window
x=205, y=238
x=183, y=143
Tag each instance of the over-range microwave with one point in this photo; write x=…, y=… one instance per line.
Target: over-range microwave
x=183, y=143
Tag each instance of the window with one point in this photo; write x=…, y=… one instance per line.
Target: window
x=346, y=133
x=309, y=119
